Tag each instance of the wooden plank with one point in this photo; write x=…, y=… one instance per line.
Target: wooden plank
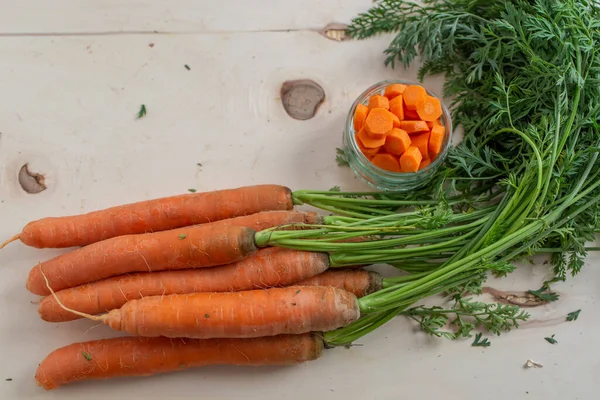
x=184, y=16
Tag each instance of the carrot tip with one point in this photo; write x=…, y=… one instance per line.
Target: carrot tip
x=12, y=239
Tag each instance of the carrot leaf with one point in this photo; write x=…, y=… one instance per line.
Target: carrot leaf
x=341, y=158
x=182, y=236
x=573, y=315
x=142, y=111
x=86, y=355
x=481, y=343
x=192, y=190
x=551, y=340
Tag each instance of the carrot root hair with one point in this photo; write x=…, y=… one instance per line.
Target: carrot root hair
x=100, y=318
x=12, y=239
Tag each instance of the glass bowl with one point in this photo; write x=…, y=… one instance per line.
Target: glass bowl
x=379, y=178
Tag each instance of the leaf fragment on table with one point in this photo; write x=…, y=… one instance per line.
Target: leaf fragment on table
x=573, y=315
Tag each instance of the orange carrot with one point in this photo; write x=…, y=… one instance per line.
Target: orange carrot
x=413, y=127
x=429, y=108
x=270, y=219
x=368, y=141
x=378, y=101
x=359, y=282
x=394, y=90
x=135, y=356
x=359, y=116
x=424, y=163
x=379, y=123
x=421, y=141
x=153, y=215
x=205, y=245
x=246, y=314
x=386, y=161
x=411, y=159
x=365, y=150
x=436, y=140
x=397, y=107
x=411, y=115
x=412, y=95
x=397, y=142
x=431, y=124
x=267, y=267
x=396, y=121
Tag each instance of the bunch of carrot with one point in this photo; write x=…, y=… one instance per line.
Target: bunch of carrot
x=192, y=280
x=400, y=130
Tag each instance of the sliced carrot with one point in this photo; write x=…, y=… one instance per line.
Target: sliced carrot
x=394, y=90
x=359, y=116
x=431, y=124
x=424, y=163
x=378, y=101
x=369, y=142
x=396, y=120
x=365, y=150
x=411, y=159
x=397, y=142
x=429, y=108
x=379, y=124
x=421, y=141
x=414, y=127
x=436, y=139
x=397, y=107
x=413, y=95
x=386, y=161
x=411, y=114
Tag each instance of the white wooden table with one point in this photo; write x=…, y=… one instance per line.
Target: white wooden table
x=73, y=75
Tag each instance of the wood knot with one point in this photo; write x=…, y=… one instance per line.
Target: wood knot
x=301, y=98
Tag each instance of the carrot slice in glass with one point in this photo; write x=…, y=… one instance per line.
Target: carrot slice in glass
x=397, y=142
x=413, y=127
x=378, y=101
x=436, y=140
x=410, y=160
x=421, y=141
x=359, y=116
x=412, y=95
x=368, y=141
x=386, y=161
x=429, y=108
x=394, y=90
x=365, y=150
x=379, y=123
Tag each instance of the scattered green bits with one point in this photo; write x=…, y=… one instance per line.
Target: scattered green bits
x=573, y=315
x=142, y=111
x=187, y=67
x=182, y=236
x=192, y=190
x=481, y=343
x=551, y=340
x=86, y=356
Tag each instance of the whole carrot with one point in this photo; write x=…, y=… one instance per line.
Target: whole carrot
x=153, y=215
x=246, y=314
x=359, y=282
x=135, y=356
x=205, y=245
x=267, y=267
